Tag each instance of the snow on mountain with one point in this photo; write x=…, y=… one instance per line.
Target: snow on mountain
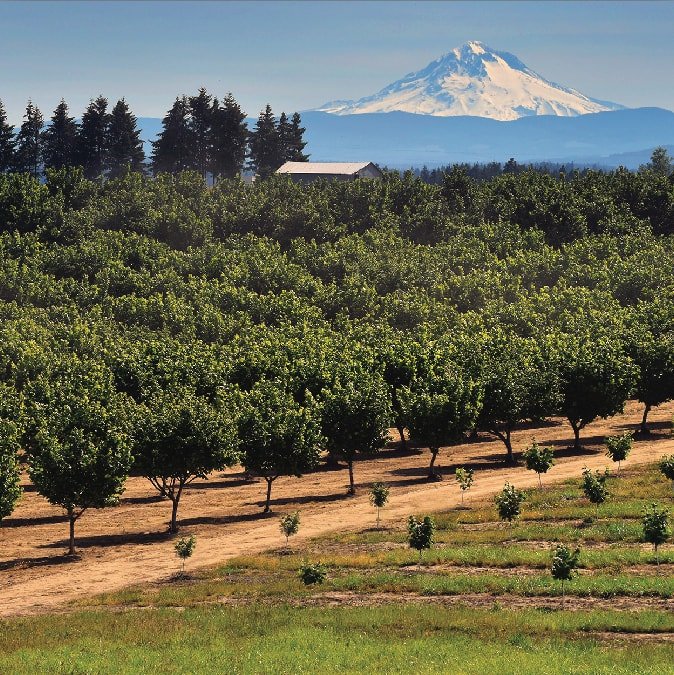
x=475, y=80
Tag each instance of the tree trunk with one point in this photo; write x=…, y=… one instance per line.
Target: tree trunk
x=540, y=482
x=173, y=527
x=267, y=504
x=352, y=487
x=510, y=457
x=403, y=440
x=576, y=426
x=644, y=429
x=71, y=518
x=431, y=468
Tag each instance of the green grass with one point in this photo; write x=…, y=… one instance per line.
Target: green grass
x=400, y=639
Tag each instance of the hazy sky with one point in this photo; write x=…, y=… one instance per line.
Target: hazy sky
x=297, y=55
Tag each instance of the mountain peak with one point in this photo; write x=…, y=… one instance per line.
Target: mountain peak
x=474, y=79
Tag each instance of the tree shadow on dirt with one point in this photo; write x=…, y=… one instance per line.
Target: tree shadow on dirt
x=37, y=520
x=310, y=499
x=148, y=499
x=41, y=561
x=104, y=540
x=220, y=483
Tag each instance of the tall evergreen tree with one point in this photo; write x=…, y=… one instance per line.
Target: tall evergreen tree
x=266, y=153
x=60, y=139
x=28, y=157
x=294, y=142
x=284, y=133
x=7, y=142
x=201, y=116
x=173, y=150
x=229, y=136
x=125, y=147
x=92, y=140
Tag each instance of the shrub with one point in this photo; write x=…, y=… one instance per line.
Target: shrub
x=509, y=502
x=290, y=524
x=539, y=460
x=464, y=477
x=656, y=527
x=619, y=447
x=420, y=533
x=666, y=466
x=184, y=548
x=594, y=486
x=379, y=497
x=564, y=563
x=312, y=573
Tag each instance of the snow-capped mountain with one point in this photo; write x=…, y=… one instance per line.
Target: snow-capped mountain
x=475, y=80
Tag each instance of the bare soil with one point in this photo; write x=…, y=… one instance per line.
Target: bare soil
x=129, y=544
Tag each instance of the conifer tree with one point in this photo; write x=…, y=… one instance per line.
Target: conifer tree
x=59, y=139
x=125, y=148
x=28, y=157
x=229, y=137
x=172, y=152
x=201, y=116
x=7, y=142
x=266, y=153
x=295, y=142
x=92, y=140
x=284, y=132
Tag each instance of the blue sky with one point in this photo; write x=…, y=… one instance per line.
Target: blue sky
x=297, y=55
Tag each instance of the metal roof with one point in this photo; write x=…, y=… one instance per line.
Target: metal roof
x=334, y=168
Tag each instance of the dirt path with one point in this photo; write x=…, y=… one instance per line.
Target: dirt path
x=127, y=544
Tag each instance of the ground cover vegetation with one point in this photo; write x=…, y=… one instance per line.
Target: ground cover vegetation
x=558, y=589
x=164, y=328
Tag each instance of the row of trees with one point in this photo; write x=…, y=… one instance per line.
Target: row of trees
x=104, y=143
x=86, y=424
x=660, y=163
x=199, y=133
x=211, y=137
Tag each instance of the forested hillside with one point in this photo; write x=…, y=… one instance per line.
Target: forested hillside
x=164, y=328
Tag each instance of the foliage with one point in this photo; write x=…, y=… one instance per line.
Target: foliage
x=279, y=436
x=355, y=415
x=78, y=445
x=509, y=502
x=564, y=563
x=290, y=524
x=184, y=548
x=420, y=533
x=441, y=406
x=594, y=486
x=538, y=459
x=464, y=478
x=656, y=526
x=180, y=436
x=312, y=573
x=379, y=493
x=520, y=384
x=619, y=447
x=666, y=467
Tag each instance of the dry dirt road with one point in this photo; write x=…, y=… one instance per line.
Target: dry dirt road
x=128, y=544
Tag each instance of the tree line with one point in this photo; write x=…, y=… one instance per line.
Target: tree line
x=199, y=133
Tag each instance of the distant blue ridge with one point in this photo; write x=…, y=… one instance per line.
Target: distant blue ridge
x=399, y=139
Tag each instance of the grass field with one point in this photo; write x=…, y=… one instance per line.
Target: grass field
x=482, y=600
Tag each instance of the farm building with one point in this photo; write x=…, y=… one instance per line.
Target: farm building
x=307, y=172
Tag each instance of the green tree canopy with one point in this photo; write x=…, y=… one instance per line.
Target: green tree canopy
x=279, y=437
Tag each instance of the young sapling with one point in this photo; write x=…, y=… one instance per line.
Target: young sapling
x=379, y=497
x=464, y=477
x=539, y=460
